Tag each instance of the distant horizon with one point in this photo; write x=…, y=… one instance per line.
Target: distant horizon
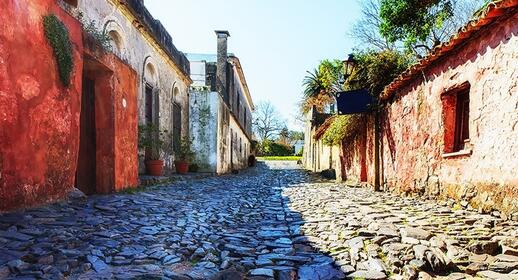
x=275, y=42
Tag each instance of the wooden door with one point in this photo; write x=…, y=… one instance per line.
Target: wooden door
x=86, y=166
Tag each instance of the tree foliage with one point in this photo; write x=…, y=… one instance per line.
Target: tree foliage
x=321, y=85
x=423, y=23
x=271, y=148
x=413, y=20
x=375, y=70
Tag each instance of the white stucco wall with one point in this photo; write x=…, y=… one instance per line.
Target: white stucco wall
x=203, y=128
x=146, y=57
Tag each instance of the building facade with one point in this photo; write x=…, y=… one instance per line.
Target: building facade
x=221, y=110
x=449, y=124
x=57, y=135
x=163, y=72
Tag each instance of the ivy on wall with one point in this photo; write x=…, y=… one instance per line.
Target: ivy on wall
x=94, y=33
x=57, y=34
x=343, y=127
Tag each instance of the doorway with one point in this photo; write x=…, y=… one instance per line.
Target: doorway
x=86, y=165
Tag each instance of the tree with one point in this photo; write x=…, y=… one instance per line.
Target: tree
x=321, y=85
x=366, y=31
x=375, y=70
x=289, y=137
x=283, y=136
x=267, y=122
x=423, y=24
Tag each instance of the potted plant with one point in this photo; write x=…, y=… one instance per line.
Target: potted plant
x=194, y=167
x=183, y=155
x=157, y=145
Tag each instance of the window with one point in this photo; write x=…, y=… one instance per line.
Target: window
x=116, y=42
x=462, y=120
x=456, y=121
x=71, y=3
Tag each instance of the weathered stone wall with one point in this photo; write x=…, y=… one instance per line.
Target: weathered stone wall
x=153, y=65
x=317, y=156
x=39, y=117
x=204, y=121
x=223, y=136
x=240, y=145
x=414, y=157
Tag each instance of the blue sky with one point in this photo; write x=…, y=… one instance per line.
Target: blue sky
x=277, y=41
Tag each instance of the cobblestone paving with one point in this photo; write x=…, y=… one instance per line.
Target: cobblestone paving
x=277, y=223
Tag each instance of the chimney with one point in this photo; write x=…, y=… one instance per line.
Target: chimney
x=221, y=70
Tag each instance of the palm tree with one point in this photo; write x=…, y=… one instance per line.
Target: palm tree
x=313, y=84
x=321, y=85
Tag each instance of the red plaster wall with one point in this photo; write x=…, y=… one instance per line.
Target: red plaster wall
x=39, y=118
x=126, y=127
x=413, y=130
x=357, y=155
x=116, y=121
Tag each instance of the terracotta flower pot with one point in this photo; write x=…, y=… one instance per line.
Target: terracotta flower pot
x=154, y=167
x=182, y=167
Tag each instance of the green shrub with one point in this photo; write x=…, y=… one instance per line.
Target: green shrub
x=57, y=34
x=301, y=152
x=270, y=148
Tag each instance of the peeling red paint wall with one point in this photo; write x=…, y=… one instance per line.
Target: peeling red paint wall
x=126, y=127
x=39, y=117
x=357, y=155
x=116, y=121
x=415, y=134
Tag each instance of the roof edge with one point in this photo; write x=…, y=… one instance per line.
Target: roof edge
x=488, y=15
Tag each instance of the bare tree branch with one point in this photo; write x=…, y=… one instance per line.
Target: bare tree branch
x=267, y=121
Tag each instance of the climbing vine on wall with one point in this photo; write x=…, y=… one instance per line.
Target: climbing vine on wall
x=57, y=34
x=343, y=127
x=92, y=31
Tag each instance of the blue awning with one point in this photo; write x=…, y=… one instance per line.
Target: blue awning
x=354, y=102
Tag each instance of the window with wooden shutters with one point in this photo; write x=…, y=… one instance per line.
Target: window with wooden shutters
x=462, y=120
x=456, y=121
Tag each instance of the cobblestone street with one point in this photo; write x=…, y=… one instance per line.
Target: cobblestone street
x=277, y=222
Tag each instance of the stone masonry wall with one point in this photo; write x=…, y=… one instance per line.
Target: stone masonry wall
x=414, y=158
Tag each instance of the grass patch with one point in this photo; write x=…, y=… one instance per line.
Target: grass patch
x=289, y=158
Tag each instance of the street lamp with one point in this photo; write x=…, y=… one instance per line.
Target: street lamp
x=349, y=66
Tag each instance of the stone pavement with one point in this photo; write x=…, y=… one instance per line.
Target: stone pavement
x=277, y=222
